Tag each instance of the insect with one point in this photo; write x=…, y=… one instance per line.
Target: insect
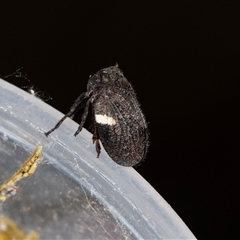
x=116, y=116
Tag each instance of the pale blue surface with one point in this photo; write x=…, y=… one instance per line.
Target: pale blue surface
x=73, y=194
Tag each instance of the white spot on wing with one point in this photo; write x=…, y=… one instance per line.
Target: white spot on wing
x=104, y=119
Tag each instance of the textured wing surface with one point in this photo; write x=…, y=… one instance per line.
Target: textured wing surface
x=125, y=138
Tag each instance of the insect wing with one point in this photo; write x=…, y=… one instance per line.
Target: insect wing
x=122, y=127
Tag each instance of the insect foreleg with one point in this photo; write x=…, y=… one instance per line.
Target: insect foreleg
x=73, y=110
x=84, y=116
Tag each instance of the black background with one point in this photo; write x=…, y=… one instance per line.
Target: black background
x=182, y=57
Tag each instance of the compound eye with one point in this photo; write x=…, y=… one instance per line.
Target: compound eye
x=103, y=73
x=104, y=76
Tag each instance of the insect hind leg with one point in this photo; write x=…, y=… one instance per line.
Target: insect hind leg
x=97, y=145
x=95, y=137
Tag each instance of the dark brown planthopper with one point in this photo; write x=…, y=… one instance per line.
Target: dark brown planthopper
x=117, y=118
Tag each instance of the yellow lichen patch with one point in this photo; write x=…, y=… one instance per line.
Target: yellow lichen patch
x=10, y=231
x=8, y=188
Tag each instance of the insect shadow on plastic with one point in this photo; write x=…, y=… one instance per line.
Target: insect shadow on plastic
x=116, y=117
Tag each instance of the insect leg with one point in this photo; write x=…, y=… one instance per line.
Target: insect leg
x=84, y=116
x=97, y=146
x=71, y=113
x=95, y=137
